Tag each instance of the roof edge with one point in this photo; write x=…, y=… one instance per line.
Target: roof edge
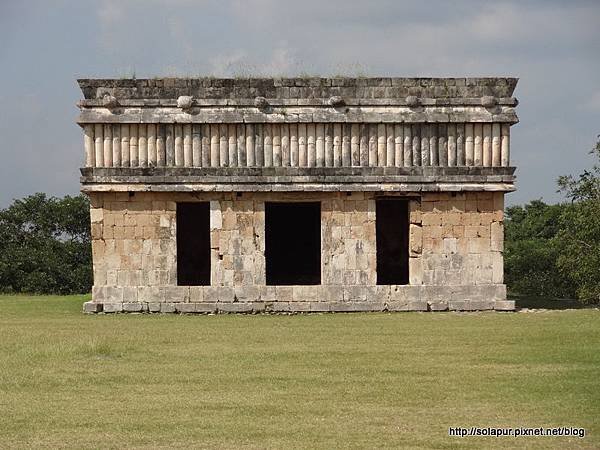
x=299, y=87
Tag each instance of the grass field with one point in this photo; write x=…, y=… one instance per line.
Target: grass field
x=69, y=380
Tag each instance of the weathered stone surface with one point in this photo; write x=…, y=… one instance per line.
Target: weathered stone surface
x=280, y=307
x=246, y=294
x=488, y=101
x=175, y=294
x=113, y=307
x=319, y=307
x=211, y=294
x=299, y=306
x=235, y=307
x=215, y=90
x=130, y=294
x=109, y=101
x=206, y=307
x=132, y=307
x=437, y=305
x=471, y=305
x=440, y=144
x=405, y=294
x=355, y=306
x=261, y=102
x=412, y=100
x=185, y=308
x=379, y=294
x=154, y=307
x=168, y=307
x=226, y=295
x=336, y=101
x=149, y=294
x=91, y=307
x=152, y=125
x=504, y=305
x=185, y=101
x=196, y=294
x=306, y=293
x=113, y=294
x=448, y=247
x=407, y=305
x=179, y=151
x=355, y=293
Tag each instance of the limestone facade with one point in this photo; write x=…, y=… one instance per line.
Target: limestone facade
x=455, y=242
x=442, y=145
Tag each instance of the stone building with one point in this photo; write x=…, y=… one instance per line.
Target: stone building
x=297, y=194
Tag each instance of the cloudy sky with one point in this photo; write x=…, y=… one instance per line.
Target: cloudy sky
x=552, y=46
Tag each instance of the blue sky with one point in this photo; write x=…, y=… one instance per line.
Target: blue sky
x=552, y=46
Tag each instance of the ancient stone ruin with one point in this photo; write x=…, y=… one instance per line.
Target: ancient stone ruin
x=297, y=194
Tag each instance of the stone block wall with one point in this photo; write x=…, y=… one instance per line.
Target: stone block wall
x=455, y=259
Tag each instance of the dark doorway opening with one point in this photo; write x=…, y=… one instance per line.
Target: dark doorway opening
x=392, y=241
x=193, y=244
x=293, y=243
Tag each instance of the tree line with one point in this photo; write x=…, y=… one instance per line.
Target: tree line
x=554, y=250
x=550, y=250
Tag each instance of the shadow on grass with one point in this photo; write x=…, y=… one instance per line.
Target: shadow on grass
x=549, y=303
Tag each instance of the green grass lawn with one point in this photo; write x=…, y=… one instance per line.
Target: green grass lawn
x=69, y=380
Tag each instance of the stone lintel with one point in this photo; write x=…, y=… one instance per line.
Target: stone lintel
x=300, y=187
x=322, y=173
x=282, y=179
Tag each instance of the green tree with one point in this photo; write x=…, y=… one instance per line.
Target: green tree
x=579, y=237
x=45, y=245
x=554, y=250
x=531, y=252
